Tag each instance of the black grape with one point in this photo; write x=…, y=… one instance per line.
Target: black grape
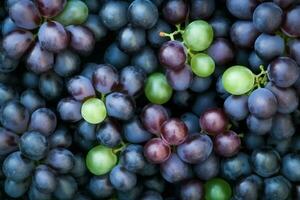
x=259, y=126
x=44, y=179
x=67, y=63
x=145, y=59
x=32, y=100
x=131, y=39
x=202, y=9
x=66, y=187
x=282, y=127
x=175, y=11
x=69, y=110
x=221, y=26
x=100, y=186
x=243, y=34
x=122, y=179
x=221, y=51
x=95, y=24
x=50, y=86
x=132, y=80
x=294, y=50
x=43, y=120
x=236, y=107
x=153, y=34
x=105, y=79
x=60, y=159
x=241, y=9
x=207, y=169
x=109, y=134
x=114, y=56
x=134, y=131
x=16, y=189
x=290, y=24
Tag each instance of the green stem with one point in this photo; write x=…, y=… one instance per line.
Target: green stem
x=102, y=97
x=118, y=149
x=172, y=35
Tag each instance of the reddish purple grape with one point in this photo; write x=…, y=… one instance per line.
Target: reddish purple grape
x=174, y=131
x=153, y=116
x=175, y=11
x=53, y=36
x=156, y=150
x=172, y=55
x=105, y=78
x=50, y=8
x=82, y=39
x=132, y=80
x=25, y=14
x=180, y=79
x=40, y=60
x=291, y=25
x=227, y=144
x=80, y=88
x=17, y=43
x=8, y=142
x=213, y=121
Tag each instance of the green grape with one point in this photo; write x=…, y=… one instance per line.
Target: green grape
x=198, y=35
x=217, y=189
x=202, y=65
x=238, y=80
x=157, y=89
x=93, y=111
x=100, y=160
x=75, y=12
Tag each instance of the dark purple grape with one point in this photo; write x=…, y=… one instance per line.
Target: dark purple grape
x=282, y=127
x=43, y=120
x=7, y=64
x=203, y=102
x=283, y=72
x=181, y=79
x=53, y=36
x=267, y=17
x=221, y=51
x=95, y=24
x=156, y=183
x=44, y=179
x=40, y=60
x=196, y=148
x=134, y=132
x=255, y=62
x=259, y=126
x=132, y=158
x=253, y=141
x=100, y=187
x=8, y=142
x=294, y=50
x=284, y=4
x=51, y=86
x=17, y=43
x=30, y=80
x=150, y=194
x=172, y=55
x=131, y=39
x=94, y=6
x=174, y=170
x=202, y=9
x=132, y=80
x=117, y=58
x=213, y=121
x=69, y=110
x=50, y=8
x=60, y=159
x=156, y=150
x=85, y=135
x=109, y=134
x=246, y=189
x=276, y=187
x=262, y=103
x=282, y=146
x=243, y=34
x=227, y=144
x=14, y=116
x=60, y=138
x=200, y=84
x=236, y=107
x=7, y=93
x=82, y=39
x=153, y=35
x=8, y=26
x=182, y=98
x=66, y=187
x=35, y=194
x=16, y=189
x=192, y=189
x=175, y=11
x=88, y=70
x=153, y=116
x=142, y=13
x=220, y=24
x=290, y=162
x=191, y=121
x=207, y=169
x=145, y=60
x=25, y=14
x=79, y=168
x=122, y=179
x=105, y=78
x=291, y=26
x=67, y=63
x=80, y=88
x=241, y=9
x=174, y=131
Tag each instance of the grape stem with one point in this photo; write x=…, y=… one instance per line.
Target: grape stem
x=172, y=35
x=120, y=148
x=261, y=78
x=102, y=97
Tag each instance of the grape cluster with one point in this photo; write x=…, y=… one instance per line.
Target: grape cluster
x=149, y=99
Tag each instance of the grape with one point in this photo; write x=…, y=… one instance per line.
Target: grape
x=7, y=64
x=282, y=127
x=208, y=168
x=202, y=65
x=192, y=189
x=265, y=162
x=246, y=189
x=238, y=80
x=236, y=107
x=267, y=17
x=134, y=132
x=25, y=14
x=14, y=116
x=30, y=80
x=180, y=80
x=40, y=60
x=221, y=26
x=69, y=110
x=79, y=168
x=17, y=43
x=66, y=187
x=148, y=195
x=44, y=179
x=145, y=60
x=100, y=187
x=269, y=47
x=175, y=11
x=50, y=86
x=7, y=93
x=289, y=163
x=284, y=3
x=121, y=179
x=255, y=62
x=8, y=26
x=253, y=141
x=227, y=144
x=156, y=183
x=132, y=158
x=67, y=63
x=157, y=89
x=132, y=80
x=241, y=9
x=8, y=142
x=259, y=126
x=109, y=134
x=291, y=26
x=174, y=170
x=213, y=121
x=49, y=8
x=74, y=12
x=93, y=5
x=282, y=146
x=195, y=149
x=153, y=34
x=283, y=72
x=114, y=56
x=217, y=188
x=53, y=36
x=182, y=98
x=203, y=102
x=174, y=131
x=95, y=24
x=202, y=9
x=60, y=138
x=105, y=79
x=294, y=46
x=221, y=51
x=85, y=135
x=61, y=160
x=80, y=88
x=131, y=194
x=93, y=111
x=277, y=187
x=82, y=40
x=114, y=14
x=35, y=194
x=200, y=84
x=191, y=122
x=157, y=151
x=193, y=31
x=33, y=145
x=15, y=189
x=131, y=39
x=43, y=120
x=243, y=34
x=262, y=103
x=142, y=13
